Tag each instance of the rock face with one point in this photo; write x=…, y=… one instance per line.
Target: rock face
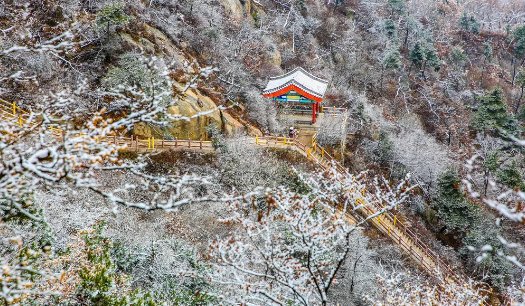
x=192, y=103
x=235, y=8
x=193, y=126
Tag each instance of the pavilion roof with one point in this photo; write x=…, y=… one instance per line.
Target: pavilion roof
x=301, y=81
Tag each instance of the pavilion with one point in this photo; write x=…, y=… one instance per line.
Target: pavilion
x=297, y=89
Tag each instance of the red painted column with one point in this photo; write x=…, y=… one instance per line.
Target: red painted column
x=314, y=110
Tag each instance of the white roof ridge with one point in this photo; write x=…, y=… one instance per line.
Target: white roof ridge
x=301, y=79
x=294, y=82
x=299, y=68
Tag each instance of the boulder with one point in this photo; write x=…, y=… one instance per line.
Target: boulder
x=192, y=125
x=234, y=8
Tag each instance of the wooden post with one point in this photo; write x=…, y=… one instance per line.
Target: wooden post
x=395, y=220
x=14, y=108
x=313, y=112
x=189, y=143
x=256, y=139
x=136, y=143
x=200, y=144
x=176, y=142
x=152, y=143
x=162, y=143
x=20, y=121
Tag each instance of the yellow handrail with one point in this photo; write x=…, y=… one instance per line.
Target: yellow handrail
x=387, y=222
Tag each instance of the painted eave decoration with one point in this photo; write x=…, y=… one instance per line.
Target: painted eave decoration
x=298, y=80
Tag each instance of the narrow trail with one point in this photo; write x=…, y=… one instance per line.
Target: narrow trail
x=386, y=222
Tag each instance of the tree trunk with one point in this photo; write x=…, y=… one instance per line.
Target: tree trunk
x=514, y=67
x=518, y=104
x=483, y=73
x=405, y=43
x=381, y=78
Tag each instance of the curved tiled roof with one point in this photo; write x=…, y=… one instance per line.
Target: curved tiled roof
x=300, y=78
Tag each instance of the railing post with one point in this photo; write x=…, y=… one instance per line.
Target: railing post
x=20, y=121
x=152, y=143
x=14, y=109
x=395, y=220
x=189, y=143
x=200, y=145
x=256, y=139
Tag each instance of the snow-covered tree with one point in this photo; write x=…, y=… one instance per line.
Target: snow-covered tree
x=288, y=247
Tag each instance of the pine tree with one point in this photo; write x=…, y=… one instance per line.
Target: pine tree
x=469, y=24
x=417, y=55
x=511, y=176
x=469, y=225
x=424, y=55
x=390, y=29
x=491, y=116
x=431, y=57
x=397, y=6
x=111, y=15
x=519, y=37
x=520, y=81
x=487, y=58
x=519, y=50
x=392, y=59
x=452, y=208
x=458, y=57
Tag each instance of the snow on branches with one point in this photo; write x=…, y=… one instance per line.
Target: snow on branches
x=289, y=247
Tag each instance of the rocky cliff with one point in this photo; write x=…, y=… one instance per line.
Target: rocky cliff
x=189, y=104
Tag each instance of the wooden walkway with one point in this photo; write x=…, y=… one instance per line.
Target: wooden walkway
x=387, y=223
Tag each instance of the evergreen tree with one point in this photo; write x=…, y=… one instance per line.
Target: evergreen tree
x=520, y=81
x=469, y=24
x=397, y=6
x=392, y=59
x=458, y=57
x=454, y=212
x=431, y=58
x=471, y=227
x=424, y=55
x=511, y=176
x=487, y=52
x=487, y=58
x=112, y=15
x=417, y=55
x=519, y=38
x=390, y=29
x=491, y=115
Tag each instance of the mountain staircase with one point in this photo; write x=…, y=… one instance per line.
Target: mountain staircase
x=374, y=213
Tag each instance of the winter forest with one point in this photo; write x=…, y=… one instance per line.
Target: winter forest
x=262, y=152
